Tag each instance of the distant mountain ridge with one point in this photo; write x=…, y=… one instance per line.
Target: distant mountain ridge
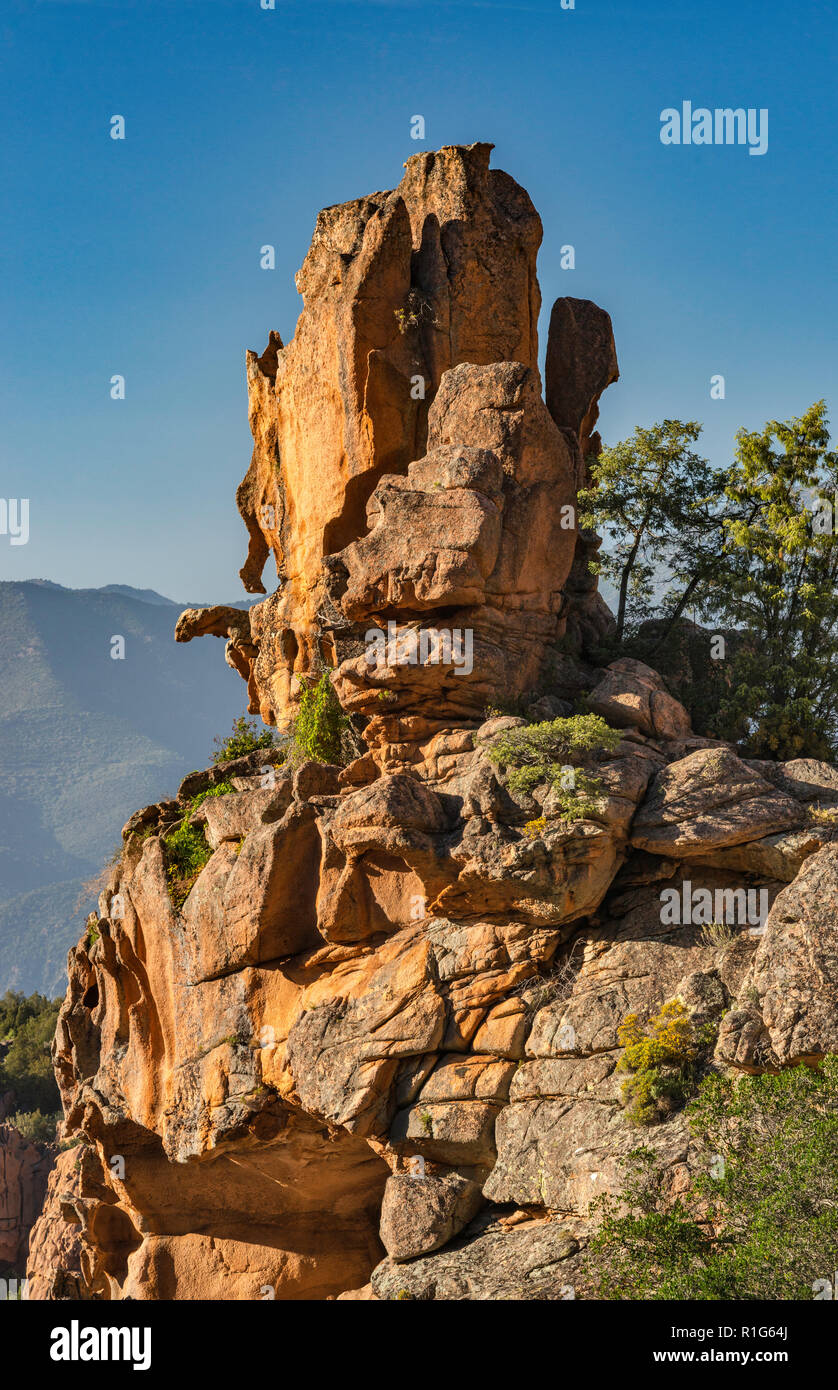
x=142, y=595
x=85, y=739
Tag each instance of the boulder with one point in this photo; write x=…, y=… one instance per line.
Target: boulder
x=786, y=1011
x=491, y=1261
x=708, y=801
x=422, y=1213
x=632, y=695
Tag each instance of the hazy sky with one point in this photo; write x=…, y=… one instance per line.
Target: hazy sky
x=141, y=257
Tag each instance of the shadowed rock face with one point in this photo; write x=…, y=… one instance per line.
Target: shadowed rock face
x=24, y=1170
x=581, y=363
x=418, y=335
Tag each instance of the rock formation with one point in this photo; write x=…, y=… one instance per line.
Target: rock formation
x=406, y=470
x=372, y=1054
x=24, y=1170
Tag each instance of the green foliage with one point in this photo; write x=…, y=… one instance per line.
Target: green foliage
x=536, y=753
x=717, y=934
x=662, y=1058
x=758, y=1221
x=652, y=497
x=34, y=1125
x=686, y=655
x=220, y=789
x=417, y=309
x=247, y=736
x=777, y=583
x=321, y=729
x=187, y=852
x=16, y=1009
x=28, y=1026
x=753, y=550
x=186, y=849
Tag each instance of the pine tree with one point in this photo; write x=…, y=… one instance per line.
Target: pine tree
x=775, y=582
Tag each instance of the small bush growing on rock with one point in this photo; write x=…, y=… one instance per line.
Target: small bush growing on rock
x=220, y=789
x=536, y=753
x=416, y=310
x=554, y=987
x=759, y=1218
x=247, y=736
x=513, y=707
x=717, y=934
x=535, y=828
x=187, y=852
x=321, y=729
x=663, y=1059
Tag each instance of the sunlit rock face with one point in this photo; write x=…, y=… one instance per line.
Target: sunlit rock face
x=406, y=470
x=372, y=1051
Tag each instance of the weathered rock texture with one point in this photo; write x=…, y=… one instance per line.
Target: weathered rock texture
x=373, y=1053
x=24, y=1171
x=382, y=1007
x=406, y=469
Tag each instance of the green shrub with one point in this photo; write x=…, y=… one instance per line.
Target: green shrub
x=187, y=852
x=34, y=1125
x=717, y=934
x=536, y=753
x=759, y=1219
x=511, y=707
x=26, y=1068
x=321, y=729
x=247, y=736
x=417, y=309
x=16, y=1009
x=663, y=1059
x=220, y=789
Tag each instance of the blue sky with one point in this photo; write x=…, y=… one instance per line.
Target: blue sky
x=141, y=257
